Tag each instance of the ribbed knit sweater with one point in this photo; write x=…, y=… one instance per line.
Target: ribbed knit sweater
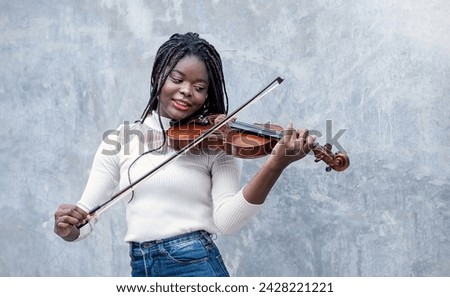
x=198, y=191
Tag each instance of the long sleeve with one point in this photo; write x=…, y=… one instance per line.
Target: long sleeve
x=231, y=209
x=103, y=179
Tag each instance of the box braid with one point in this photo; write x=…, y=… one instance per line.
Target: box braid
x=170, y=53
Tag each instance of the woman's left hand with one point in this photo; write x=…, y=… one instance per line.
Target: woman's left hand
x=294, y=145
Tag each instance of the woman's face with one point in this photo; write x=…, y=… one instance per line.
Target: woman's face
x=185, y=90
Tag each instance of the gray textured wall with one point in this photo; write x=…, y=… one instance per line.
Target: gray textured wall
x=71, y=70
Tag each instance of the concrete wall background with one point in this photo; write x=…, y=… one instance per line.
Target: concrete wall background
x=71, y=70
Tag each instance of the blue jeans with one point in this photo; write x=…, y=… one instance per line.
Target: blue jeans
x=191, y=254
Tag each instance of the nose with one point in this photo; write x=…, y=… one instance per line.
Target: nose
x=185, y=89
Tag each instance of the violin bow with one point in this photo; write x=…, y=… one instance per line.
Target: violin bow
x=96, y=211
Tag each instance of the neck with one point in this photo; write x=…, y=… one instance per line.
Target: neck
x=155, y=121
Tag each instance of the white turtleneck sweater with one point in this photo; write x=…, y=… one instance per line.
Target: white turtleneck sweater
x=198, y=191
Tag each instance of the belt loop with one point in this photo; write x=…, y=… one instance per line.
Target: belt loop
x=206, y=235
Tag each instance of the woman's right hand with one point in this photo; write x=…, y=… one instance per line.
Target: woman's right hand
x=67, y=218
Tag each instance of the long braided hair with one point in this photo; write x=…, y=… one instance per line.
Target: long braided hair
x=170, y=53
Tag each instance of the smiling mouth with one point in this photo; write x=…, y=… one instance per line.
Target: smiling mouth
x=181, y=104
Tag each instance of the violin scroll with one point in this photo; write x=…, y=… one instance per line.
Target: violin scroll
x=337, y=162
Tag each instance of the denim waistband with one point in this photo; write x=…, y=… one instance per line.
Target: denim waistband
x=173, y=239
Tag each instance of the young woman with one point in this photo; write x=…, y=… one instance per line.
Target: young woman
x=171, y=216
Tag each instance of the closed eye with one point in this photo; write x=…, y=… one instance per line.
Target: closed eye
x=176, y=80
x=199, y=89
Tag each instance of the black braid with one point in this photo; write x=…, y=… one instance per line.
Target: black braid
x=171, y=52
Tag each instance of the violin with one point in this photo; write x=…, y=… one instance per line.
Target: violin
x=235, y=138
x=243, y=140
